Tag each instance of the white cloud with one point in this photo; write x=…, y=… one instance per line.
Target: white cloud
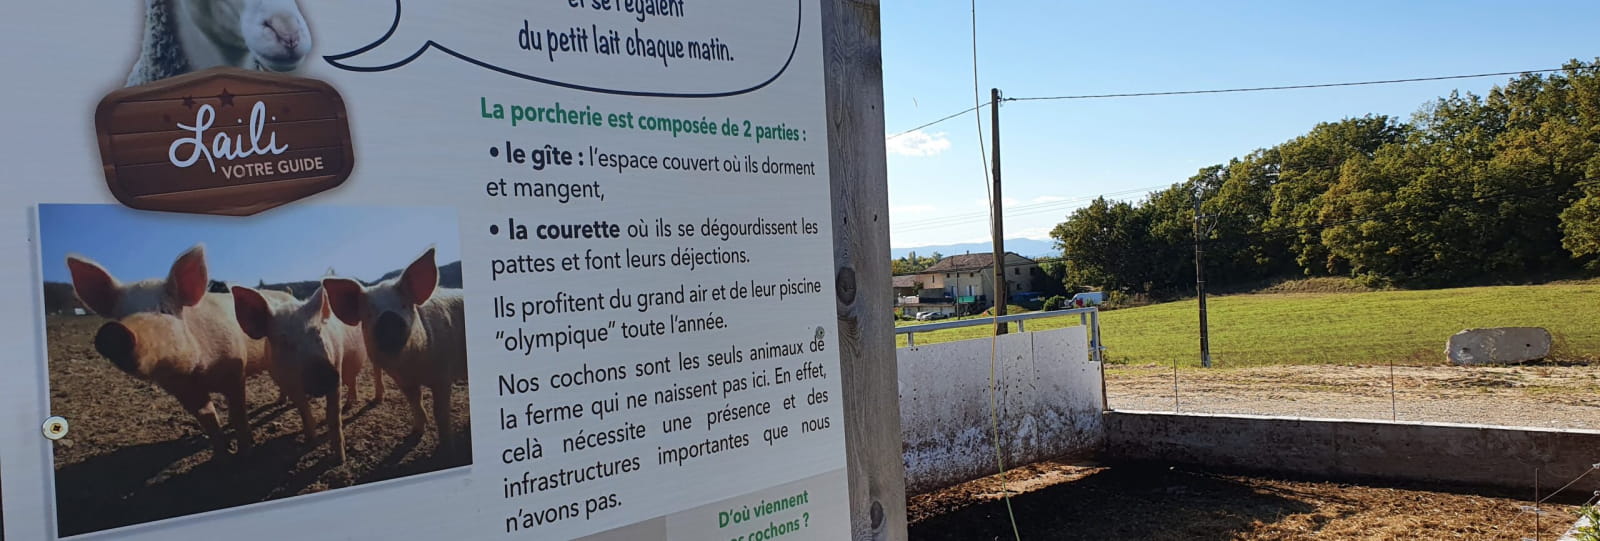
x=1047, y=199
x=919, y=143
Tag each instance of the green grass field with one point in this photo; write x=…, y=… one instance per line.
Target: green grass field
x=1407, y=327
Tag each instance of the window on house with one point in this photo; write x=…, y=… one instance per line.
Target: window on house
x=1016, y=272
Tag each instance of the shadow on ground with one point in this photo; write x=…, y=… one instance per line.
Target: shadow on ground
x=154, y=481
x=1175, y=505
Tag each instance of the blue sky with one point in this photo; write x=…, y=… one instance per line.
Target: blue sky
x=298, y=242
x=1057, y=154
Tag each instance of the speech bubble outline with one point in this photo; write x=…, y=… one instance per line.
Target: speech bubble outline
x=336, y=61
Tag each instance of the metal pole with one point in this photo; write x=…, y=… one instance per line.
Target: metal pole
x=1096, y=354
x=955, y=295
x=1200, y=283
x=996, y=207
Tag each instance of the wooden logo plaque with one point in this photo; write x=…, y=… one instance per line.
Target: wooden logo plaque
x=223, y=141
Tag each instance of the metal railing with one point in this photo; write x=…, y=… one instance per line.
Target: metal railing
x=1089, y=318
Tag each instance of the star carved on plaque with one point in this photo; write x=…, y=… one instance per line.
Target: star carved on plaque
x=227, y=98
x=188, y=102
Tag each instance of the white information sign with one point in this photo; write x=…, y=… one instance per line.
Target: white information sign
x=396, y=269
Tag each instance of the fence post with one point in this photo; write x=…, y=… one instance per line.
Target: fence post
x=1095, y=355
x=1094, y=335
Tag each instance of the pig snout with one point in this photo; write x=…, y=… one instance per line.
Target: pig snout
x=391, y=333
x=116, y=342
x=321, y=379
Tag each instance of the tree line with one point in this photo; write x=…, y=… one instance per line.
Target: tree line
x=911, y=263
x=1471, y=189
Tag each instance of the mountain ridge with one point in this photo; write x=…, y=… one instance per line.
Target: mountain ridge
x=1031, y=248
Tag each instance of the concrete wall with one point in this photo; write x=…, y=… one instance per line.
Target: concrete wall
x=1048, y=397
x=1426, y=452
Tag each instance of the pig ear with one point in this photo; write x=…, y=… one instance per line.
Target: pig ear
x=419, y=279
x=250, y=308
x=320, y=298
x=346, y=298
x=188, y=280
x=95, y=287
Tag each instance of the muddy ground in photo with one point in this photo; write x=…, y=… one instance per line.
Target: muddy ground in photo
x=1060, y=500
x=134, y=456
x=1544, y=395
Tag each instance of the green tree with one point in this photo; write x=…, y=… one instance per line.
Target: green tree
x=1300, y=172
x=911, y=263
x=1472, y=189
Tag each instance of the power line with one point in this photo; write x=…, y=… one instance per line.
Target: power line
x=1031, y=262
x=994, y=411
x=1066, y=201
x=1021, y=210
x=1287, y=87
x=948, y=117
x=1243, y=89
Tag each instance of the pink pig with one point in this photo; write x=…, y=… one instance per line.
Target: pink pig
x=173, y=333
x=309, y=352
x=413, y=330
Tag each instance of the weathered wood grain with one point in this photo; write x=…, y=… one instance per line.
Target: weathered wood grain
x=860, y=191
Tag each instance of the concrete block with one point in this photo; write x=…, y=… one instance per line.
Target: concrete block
x=1047, y=399
x=1498, y=345
x=1432, y=453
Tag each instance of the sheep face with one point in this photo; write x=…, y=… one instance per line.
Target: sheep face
x=275, y=32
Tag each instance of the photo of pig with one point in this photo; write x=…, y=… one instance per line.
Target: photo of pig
x=209, y=363
x=414, y=330
x=171, y=332
x=310, y=354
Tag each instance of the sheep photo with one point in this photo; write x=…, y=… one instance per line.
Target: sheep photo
x=183, y=36
x=209, y=363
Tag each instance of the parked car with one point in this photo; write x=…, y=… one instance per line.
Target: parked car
x=1088, y=298
x=930, y=316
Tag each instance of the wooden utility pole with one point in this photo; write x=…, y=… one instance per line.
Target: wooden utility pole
x=858, y=177
x=1200, y=282
x=999, y=220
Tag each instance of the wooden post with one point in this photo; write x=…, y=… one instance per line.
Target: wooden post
x=859, y=182
x=998, y=208
x=1200, y=283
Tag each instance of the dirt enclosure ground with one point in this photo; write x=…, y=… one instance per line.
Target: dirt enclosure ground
x=1054, y=500
x=133, y=455
x=1547, y=395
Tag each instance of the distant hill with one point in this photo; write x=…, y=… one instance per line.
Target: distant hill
x=1024, y=247
x=449, y=277
x=59, y=298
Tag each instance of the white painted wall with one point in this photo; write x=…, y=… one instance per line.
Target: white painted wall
x=1048, y=399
